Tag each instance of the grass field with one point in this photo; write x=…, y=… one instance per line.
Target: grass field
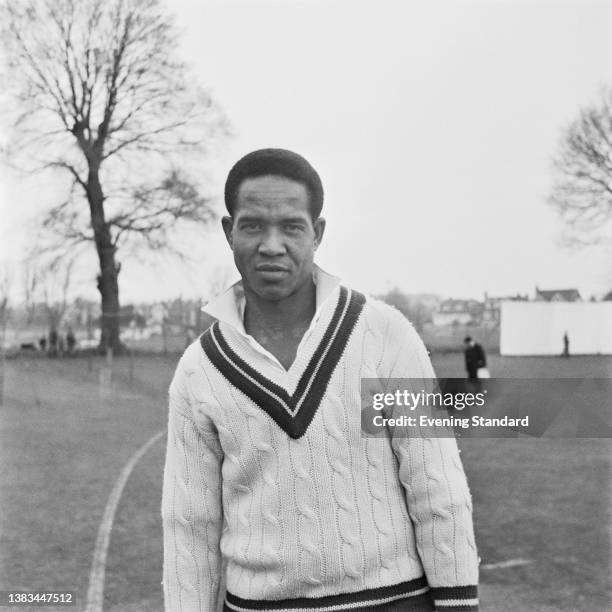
x=541, y=505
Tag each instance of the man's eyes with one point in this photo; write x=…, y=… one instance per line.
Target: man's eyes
x=289, y=228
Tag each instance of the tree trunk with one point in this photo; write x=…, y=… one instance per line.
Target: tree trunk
x=108, y=285
x=109, y=291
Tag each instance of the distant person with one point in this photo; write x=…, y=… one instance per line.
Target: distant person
x=42, y=343
x=53, y=340
x=70, y=341
x=61, y=346
x=272, y=498
x=475, y=358
x=566, y=350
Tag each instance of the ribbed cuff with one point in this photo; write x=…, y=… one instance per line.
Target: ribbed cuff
x=456, y=599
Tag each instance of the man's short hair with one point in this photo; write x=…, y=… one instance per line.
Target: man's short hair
x=468, y=339
x=277, y=162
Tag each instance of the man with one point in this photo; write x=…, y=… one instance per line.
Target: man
x=272, y=498
x=70, y=341
x=53, y=342
x=474, y=358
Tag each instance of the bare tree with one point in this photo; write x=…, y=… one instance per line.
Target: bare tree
x=408, y=305
x=30, y=288
x=582, y=187
x=103, y=99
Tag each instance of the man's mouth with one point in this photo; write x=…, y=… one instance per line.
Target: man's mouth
x=270, y=268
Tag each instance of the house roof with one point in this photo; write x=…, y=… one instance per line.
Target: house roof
x=558, y=295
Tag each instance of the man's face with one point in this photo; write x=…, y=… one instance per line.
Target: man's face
x=273, y=236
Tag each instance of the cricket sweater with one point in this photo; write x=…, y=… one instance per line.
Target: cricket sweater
x=273, y=499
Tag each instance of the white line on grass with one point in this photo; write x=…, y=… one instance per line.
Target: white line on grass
x=505, y=564
x=95, y=591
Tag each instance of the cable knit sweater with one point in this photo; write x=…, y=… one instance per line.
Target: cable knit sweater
x=273, y=498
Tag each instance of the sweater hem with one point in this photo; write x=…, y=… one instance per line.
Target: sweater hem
x=414, y=593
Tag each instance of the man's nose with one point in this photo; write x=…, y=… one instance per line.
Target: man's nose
x=272, y=244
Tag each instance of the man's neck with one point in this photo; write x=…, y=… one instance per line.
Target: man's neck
x=280, y=326
x=283, y=317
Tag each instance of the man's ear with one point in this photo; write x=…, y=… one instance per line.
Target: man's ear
x=319, y=229
x=227, y=224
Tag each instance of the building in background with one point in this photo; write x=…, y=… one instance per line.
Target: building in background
x=557, y=295
x=539, y=327
x=458, y=312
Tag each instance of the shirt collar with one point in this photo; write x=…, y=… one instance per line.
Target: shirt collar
x=229, y=306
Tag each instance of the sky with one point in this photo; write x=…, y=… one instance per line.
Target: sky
x=431, y=123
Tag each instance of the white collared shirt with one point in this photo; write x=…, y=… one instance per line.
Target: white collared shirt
x=229, y=308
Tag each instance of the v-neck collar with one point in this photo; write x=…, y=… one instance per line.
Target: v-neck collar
x=229, y=309
x=293, y=412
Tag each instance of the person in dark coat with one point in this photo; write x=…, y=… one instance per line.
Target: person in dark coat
x=70, y=341
x=53, y=341
x=474, y=358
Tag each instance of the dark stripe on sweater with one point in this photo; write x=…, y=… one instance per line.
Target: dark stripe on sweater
x=410, y=603
x=272, y=398
x=469, y=591
x=344, y=600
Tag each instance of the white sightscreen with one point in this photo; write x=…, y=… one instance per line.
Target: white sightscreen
x=537, y=328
